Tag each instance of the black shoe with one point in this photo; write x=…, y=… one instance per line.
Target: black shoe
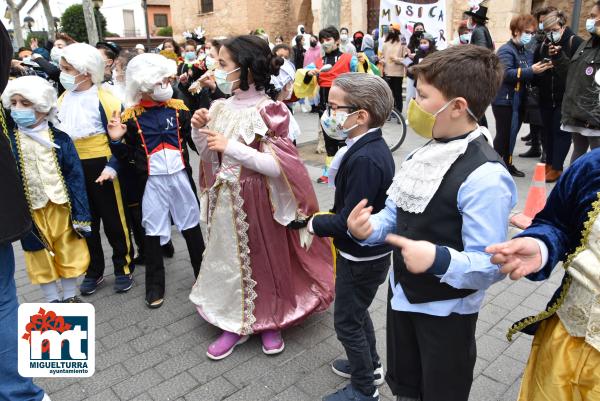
x=72, y=300
x=139, y=260
x=526, y=138
x=529, y=143
x=168, y=249
x=532, y=152
x=514, y=172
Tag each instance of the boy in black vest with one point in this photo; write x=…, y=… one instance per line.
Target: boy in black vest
x=448, y=200
x=358, y=105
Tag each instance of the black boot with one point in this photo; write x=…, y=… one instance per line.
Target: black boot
x=168, y=249
x=514, y=172
x=155, y=272
x=195, y=244
x=533, y=151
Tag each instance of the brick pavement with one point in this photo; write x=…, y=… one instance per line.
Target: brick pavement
x=159, y=355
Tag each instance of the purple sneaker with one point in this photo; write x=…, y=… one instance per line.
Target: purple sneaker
x=272, y=342
x=224, y=345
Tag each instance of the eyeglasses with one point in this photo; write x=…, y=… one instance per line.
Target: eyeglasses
x=331, y=107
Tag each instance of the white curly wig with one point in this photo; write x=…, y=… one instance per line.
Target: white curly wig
x=85, y=59
x=143, y=72
x=35, y=89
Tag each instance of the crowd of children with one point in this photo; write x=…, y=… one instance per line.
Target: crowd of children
x=113, y=149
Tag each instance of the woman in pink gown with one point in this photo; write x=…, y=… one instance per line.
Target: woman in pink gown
x=258, y=275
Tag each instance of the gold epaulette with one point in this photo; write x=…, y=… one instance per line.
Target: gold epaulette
x=131, y=112
x=177, y=104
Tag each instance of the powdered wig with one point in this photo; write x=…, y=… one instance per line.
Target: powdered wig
x=35, y=89
x=143, y=72
x=85, y=59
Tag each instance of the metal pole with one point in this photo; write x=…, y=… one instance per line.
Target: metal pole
x=145, y=6
x=576, y=15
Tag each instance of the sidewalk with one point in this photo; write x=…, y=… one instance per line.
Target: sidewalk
x=159, y=355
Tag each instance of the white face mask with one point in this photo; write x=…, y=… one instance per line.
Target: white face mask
x=55, y=55
x=344, y=37
x=161, y=94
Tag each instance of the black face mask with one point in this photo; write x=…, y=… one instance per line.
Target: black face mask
x=313, y=44
x=302, y=31
x=419, y=34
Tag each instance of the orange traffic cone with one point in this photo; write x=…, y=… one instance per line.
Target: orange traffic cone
x=536, y=199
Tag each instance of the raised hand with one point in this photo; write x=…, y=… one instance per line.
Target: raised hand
x=116, y=129
x=517, y=257
x=540, y=67
x=358, y=221
x=200, y=118
x=418, y=255
x=216, y=141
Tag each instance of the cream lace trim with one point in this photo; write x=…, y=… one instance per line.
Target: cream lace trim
x=419, y=177
x=235, y=123
x=241, y=227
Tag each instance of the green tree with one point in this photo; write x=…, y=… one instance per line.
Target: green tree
x=73, y=23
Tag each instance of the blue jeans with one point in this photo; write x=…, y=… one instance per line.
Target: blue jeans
x=13, y=387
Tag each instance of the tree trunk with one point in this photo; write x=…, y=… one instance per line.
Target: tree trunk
x=90, y=22
x=49, y=19
x=15, y=17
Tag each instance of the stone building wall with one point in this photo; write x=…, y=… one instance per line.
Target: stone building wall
x=281, y=17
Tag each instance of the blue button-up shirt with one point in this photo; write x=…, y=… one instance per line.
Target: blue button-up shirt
x=484, y=200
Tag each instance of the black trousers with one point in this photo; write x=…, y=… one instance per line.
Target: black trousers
x=558, y=142
x=155, y=267
x=331, y=145
x=430, y=357
x=503, y=116
x=355, y=287
x=107, y=205
x=395, y=84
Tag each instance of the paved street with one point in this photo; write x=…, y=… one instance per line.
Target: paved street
x=145, y=354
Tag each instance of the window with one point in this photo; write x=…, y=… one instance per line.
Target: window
x=206, y=6
x=160, y=20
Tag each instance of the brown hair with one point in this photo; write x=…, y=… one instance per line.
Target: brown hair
x=544, y=11
x=472, y=72
x=63, y=36
x=521, y=22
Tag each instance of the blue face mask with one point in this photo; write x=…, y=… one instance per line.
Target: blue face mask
x=190, y=56
x=590, y=25
x=525, y=38
x=23, y=117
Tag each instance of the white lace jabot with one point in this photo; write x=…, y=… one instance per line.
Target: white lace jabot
x=420, y=176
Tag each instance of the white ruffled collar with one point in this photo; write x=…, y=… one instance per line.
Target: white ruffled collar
x=420, y=176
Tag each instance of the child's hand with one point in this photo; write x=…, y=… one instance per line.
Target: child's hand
x=418, y=255
x=200, y=118
x=216, y=141
x=517, y=257
x=108, y=174
x=358, y=221
x=116, y=130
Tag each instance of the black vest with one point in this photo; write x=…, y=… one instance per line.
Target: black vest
x=441, y=224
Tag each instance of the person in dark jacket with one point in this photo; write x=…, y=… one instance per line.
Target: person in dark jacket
x=580, y=105
x=559, y=45
x=358, y=105
x=299, y=51
x=480, y=35
x=15, y=223
x=519, y=70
